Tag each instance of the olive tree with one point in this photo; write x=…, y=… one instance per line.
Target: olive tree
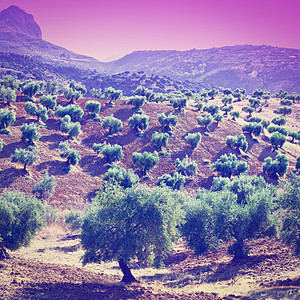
x=7, y=118
x=137, y=102
x=229, y=165
x=205, y=121
x=186, y=166
x=45, y=187
x=72, y=155
x=277, y=167
x=93, y=107
x=138, y=121
x=145, y=161
x=113, y=124
x=237, y=142
x=20, y=218
x=168, y=120
x=27, y=156
x=175, y=181
x=194, y=139
x=136, y=223
x=73, y=110
x=277, y=140
x=49, y=102
x=160, y=140
x=38, y=112
x=29, y=132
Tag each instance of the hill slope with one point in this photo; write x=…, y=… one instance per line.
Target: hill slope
x=243, y=66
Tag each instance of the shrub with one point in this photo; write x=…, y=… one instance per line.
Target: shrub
x=227, y=100
x=160, y=140
x=114, y=124
x=93, y=107
x=178, y=101
x=8, y=94
x=282, y=130
x=30, y=89
x=294, y=135
x=253, y=128
x=26, y=156
x=166, y=121
x=74, y=220
x=126, y=179
x=212, y=109
x=255, y=119
x=70, y=154
x=30, y=132
x=289, y=202
x=194, y=139
x=285, y=110
x=204, y=120
x=186, y=166
x=145, y=161
x=46, y=187
x=279, y=121
x=112, y=94
x=49, y=101
x=277, y=140
x=112, y=153
x=237, y=142
x=138, y=121
x=74, y=111
x=137, y=102
x=21, y=217
x=175, y=182
x=229, y=165
x=218, y=118
x=276, y=167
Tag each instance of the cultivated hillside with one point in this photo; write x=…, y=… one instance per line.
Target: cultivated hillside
x=245, y=66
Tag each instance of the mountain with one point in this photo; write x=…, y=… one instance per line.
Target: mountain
x=244, y=66
x=20, y=34
x=241, y=66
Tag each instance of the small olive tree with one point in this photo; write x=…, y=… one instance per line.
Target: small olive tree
x=45, y=187
x=145, y=161
x=27, y=156
x=114, y=124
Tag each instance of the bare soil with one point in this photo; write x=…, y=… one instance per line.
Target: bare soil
x=51, y=269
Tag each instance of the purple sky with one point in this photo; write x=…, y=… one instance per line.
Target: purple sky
x=109, y=29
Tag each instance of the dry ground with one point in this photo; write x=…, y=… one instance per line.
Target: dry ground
x=51, y=268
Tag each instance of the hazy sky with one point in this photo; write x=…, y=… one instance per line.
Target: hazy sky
x=109, y=29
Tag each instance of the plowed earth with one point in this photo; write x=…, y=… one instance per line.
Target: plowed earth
x=50, y=268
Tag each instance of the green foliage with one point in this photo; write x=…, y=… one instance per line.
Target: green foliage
x=73, y=110
x=160, y=140
x=112, y=153
x=70, y=154
x=112, y=94
x=194, y=139
x=253, y=128
x=237, y=142
x=168, y=120
x=65, y=124
x=145, y=161
x=294, y=135
x=1, y=144
x=49, y=102
x=186, y=166
x=233, y=211
x=20, y=218
x=8, y=95
x=234, y=114
x=31, y=89
x=175, y=182
x=74, y=130
x=38, y=112
x=7, y=118
x=218, y=118
x=126, y=179
x=114, y=124
x=258, y=93
x=284, y=110
x=277, y=140
x=212, y=109
x=248, y=109
x=96, y=93
x=265, y=123
x=276, y=167
x=46, y=187
x=199, y=105
x=143, y=91
x=227, y=91
x=178, y=101
x=280, y=129
x=51, y=88
x=286, y=102
x=229, y=165
x=74, y=220
x=9, y=81
x=137, y=223
x=227, y=109
x=137, y=102
x=227, y=100
x=138, y=121
x=254, y=103
x=205, y=120
x=93, y=107
x=26, y=156
x=289, y=201
x=212, y=93
x=29, y=132
x=255, y=119
x=279, y=121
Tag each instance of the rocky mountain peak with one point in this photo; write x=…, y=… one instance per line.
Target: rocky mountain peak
x=14, y=19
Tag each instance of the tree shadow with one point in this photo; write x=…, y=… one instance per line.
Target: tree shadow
x=187, y=150
x=93, y=165
x=53, y=124
x=207, y=182
x=250, y=141
x=124, y=114
x=95, y=138
x=8, y=176
x=85, y=290
x=123, y=139
x=54, y=167
x=148, y=134
x=9, y=149
x=224, y=150
x=266, y=153
x=228, y=271
x=21, y=120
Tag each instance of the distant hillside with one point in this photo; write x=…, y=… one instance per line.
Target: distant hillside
x=246, y=66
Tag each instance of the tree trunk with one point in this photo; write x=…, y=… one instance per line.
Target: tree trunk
x=3, y=252
x=127, y=275
x=25, y=170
